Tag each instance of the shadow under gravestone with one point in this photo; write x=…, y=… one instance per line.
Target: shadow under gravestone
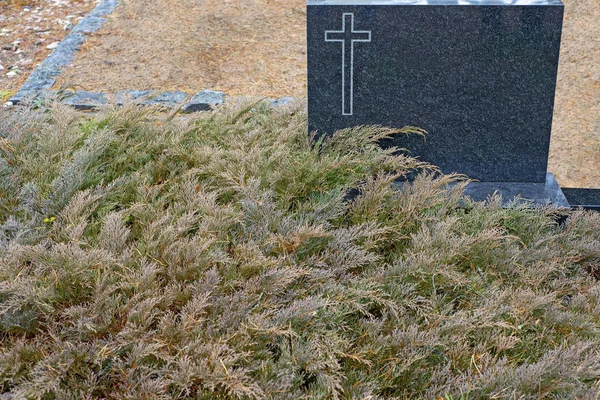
x=478, y=75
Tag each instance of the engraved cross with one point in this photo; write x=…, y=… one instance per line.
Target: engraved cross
x=347, y=36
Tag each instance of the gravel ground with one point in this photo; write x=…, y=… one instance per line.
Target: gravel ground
x=29, y=30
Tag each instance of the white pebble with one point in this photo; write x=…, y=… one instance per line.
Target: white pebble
x=11, y=74
x=52, y=46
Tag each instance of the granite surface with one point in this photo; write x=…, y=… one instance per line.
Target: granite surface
x=84, y=100
x=479, y=78
x=585, y=198
x=545, y=193
x=203, y=101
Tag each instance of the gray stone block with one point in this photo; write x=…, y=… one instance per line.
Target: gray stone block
x=133, y=96
x=63, y=54
x=282, y=101
x=151, y=98
x=583, y=197
x=24, y=96
x=84, y=100
x=43, y=77
x=104, y=8
x=203, y=101
x=166, y=99
x=89, y=25
x=545, y=193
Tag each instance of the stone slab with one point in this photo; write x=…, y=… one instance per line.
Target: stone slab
x=583, y=197
x=166, y=99
x=282, y=101
x=547, y=193
x=104, y=8
x=203, y=101
x=133, y=96
x=434, y=2
x=63, y=54
x=89, y=25
x=479, y=76
x=84, y=100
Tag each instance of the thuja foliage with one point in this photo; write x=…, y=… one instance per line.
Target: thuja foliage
x=227, y=256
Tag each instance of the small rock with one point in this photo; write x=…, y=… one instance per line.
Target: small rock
x=26, y=9
x=11, y=74
x=19, y=51
x=8, y=104
x=1, y=68
x=52, y=46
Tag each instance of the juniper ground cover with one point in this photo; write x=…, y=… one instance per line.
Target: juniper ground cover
x=224, y=256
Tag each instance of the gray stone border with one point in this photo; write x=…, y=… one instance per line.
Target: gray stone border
x=88, y=101
x=45, y=74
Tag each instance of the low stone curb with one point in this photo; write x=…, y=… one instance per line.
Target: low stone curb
x=45, y=74
x=87, y=101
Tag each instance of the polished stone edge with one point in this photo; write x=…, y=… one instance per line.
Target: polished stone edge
x=512, y=193
x=45, y=74
x=588, y=199
x=434, y=3
x=89, y=101
x=548, y=193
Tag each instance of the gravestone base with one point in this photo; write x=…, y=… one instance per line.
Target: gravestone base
x=548, y=193
x=585, y=198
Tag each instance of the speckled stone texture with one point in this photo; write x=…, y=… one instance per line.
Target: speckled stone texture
x=479, y=76
x=203, y=101
x=585, y=198
x=546, y=193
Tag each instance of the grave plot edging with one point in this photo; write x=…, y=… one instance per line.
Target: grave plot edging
x=45, y=74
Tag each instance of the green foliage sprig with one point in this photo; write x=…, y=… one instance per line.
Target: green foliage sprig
x=227, y=256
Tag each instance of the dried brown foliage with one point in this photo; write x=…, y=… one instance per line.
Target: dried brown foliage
x=220, y=257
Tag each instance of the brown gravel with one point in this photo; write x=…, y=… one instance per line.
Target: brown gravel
x=250, y=47
x=26, y=28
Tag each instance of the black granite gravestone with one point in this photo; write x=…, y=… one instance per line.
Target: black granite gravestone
x=478, y=75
